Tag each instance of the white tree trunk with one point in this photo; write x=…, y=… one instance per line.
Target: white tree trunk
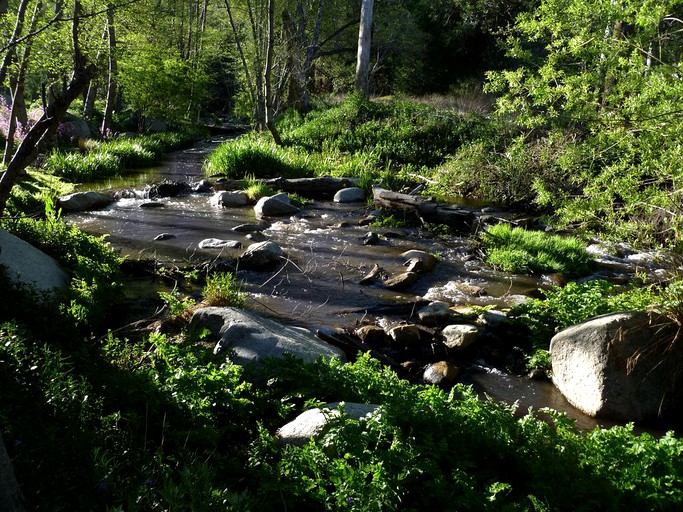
x=362, y=82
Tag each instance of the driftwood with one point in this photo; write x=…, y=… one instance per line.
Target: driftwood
x=426, y=208
x=307, y=187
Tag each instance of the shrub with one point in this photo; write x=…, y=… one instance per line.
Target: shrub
x=222, y=289
x=521, y=251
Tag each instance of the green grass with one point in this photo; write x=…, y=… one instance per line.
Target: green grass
x=533, y=252
x=111, y=158
x=222, y=289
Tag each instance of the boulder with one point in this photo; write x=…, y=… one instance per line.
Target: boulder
x=274, y=206
x=203, y=187
x=459, y=337
x=226, y=199
x=371, y=238
x=26, y=265
x=428, y=260
x=169, y=189
x=251, y=337
x=217, y=243
x=615, y=366
x=349, y=195
x=435, y=313
x=73, y=130
x=442, y=373
x=10, y=495
x=84, y=201
x=262, y=255
x=312, y=423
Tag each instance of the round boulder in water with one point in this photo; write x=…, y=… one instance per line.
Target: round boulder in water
x=227, y=198
x=350, y=195
x=442, y=373
x=274, y=207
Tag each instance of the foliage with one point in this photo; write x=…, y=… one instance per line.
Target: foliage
x=222, y=289
x=521, y=251
x=256, y=189
x=91, y=263
x=576, y=303
x=33, y=190
x=175, y=304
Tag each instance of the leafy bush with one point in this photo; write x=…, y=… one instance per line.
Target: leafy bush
x=521, y=251
x=576, y=303
x=222, y=289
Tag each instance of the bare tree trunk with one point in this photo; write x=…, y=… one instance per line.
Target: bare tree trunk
x=240, y=50
x=111, y=80
x=18, y=114
x=93, y=86
x=11, y=52
x=362, y=82
x=267, y=75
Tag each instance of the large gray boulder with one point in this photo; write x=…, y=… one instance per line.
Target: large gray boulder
x=251, y=337
x=26, y=265
x=10, y=496
x=615, y=366
x=275, y=206
x=85, y=201
x=312, y=423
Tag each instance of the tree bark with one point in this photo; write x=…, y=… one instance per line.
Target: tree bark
x=267, y=75
x=111, y=80
x=362, y=82
x=11, y=52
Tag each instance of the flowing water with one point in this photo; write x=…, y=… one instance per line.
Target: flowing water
x=318, y=286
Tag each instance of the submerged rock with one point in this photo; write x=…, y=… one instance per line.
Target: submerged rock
x=262, y=255
x=251, y=337
x=371, y=238
x=163, y=236
x=428, y=261
x=169, y=189
x=375, y=273
x=217, y=243
x=402, y=281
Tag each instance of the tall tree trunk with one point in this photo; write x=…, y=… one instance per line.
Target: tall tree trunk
x=111, y=79
x=18, y=114
x=362, y=82
x=267, y=75
x=11, y=52
x=93, y=86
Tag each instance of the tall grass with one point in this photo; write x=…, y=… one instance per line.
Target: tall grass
x=521, y=251
x=107, y=159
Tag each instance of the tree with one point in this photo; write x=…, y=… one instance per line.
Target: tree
x=362, y=82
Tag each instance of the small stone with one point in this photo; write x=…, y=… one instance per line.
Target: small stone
x=152, y=204
x=257, y=237
x=217, y=243
x=274, y=206
x=428, y=260
x=435, y=313
x=459, y=337
x=405, y=335
x=164, y=236
x=372, y=276
x=371, y=238
x=262, y=255
x=401, y=281
x=442, y=373
x=494, y=319
x=370, y=218
x=227, y=199
x=372, y=335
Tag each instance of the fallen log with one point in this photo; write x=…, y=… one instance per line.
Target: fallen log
x=426, y=208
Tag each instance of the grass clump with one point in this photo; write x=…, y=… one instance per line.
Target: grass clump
x=223, y=289
x=255, y=189
x=520, y=251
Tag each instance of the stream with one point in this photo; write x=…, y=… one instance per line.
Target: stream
x=318, y=287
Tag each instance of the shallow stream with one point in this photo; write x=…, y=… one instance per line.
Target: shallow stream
x=319, y=285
